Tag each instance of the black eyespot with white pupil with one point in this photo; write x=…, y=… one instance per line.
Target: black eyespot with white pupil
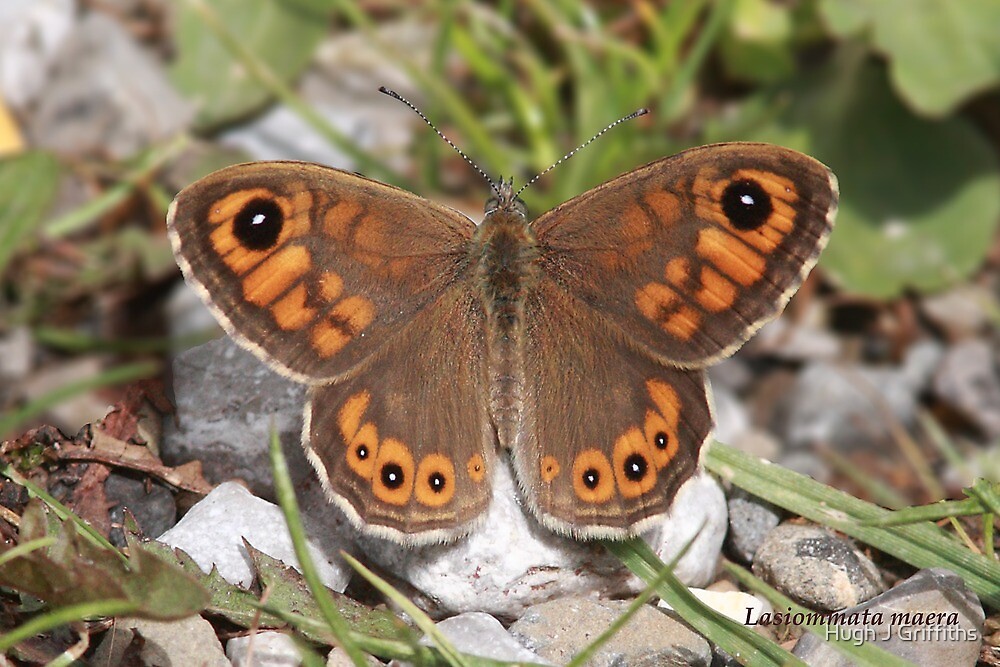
x=635, y=467
x=392, y=476
x=591, y=478
x=361, y=452
x=258, y=224
x=660, y=440
x=436, y=481
x=746, y=205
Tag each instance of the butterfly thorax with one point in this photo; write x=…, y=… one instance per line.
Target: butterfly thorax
x=506, y=258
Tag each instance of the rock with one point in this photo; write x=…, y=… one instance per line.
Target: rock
x=559, y=629
x=961, y=311
x=482, y=635
x=17, y=353
x=750, y=520
x=910, y=624
x=807, y=339
x=154, y=509
x=33, y=34
x=105, y=96
x=189, y=641
x=212, y=533
x=731, y=419
x=969, y=381
x=816, y=568
x=697, y=520
x=187, y=315
x=338, y=658
x=264, y=649
x=512, y=562
x=737, y=605
x=225, y=398
x=342, y=87
x=227, y=401
x=846, y=405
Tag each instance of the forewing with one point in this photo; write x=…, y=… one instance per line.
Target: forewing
x=310, y=267
x=689, y=255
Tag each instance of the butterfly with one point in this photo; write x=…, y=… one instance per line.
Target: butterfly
x=577, y=341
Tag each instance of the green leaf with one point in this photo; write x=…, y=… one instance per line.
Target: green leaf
x=940, y=53
x=282, y=33
x=757, y=44
x=27, y=187
x=920, y=199
x=75, y=571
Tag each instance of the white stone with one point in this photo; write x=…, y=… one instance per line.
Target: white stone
x=212, y=533
x=511, y=562
x=734, y=604
x=264, y=649
x=33, y=31
x=477, y=633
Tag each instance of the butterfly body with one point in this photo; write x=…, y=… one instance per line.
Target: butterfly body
x=578, y=341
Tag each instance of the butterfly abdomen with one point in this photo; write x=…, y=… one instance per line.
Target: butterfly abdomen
x=507, y=269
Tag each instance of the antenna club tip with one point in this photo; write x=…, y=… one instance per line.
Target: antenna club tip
x=641, y=111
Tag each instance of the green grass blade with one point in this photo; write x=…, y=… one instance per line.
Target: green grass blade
x=921, y=545
x=860, y=654
x=279, y=89
x=737, y=640
x=25, y=549
x=80, y=217
x=290, y=509
x=584, y=656
x=63, y=512
x=423, y=621
x=64, y=616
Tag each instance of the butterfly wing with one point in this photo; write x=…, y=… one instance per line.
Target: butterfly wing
x=701, y=248
x=313, y=268
x=405, y=445
x=647, y=280
x=607, y=436
x=362, y=291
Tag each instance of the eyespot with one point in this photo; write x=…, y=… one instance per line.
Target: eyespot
x=633, y=464
x=258, y=224
x=549, y=468
x=435, y=482
x=593, y=479
x=392, y=481
x=362, y=451
x=476, y=468
x=746, y=205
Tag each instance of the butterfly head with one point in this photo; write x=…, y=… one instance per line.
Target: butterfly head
x=505, y=199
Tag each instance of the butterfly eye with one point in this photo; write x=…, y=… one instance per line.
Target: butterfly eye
x=746, y=205
x=258, y=224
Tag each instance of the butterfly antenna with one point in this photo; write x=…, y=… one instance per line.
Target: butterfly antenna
x=413, y=107
x=635, y=114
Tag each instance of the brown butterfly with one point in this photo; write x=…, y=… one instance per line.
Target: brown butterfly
x=577, y=341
